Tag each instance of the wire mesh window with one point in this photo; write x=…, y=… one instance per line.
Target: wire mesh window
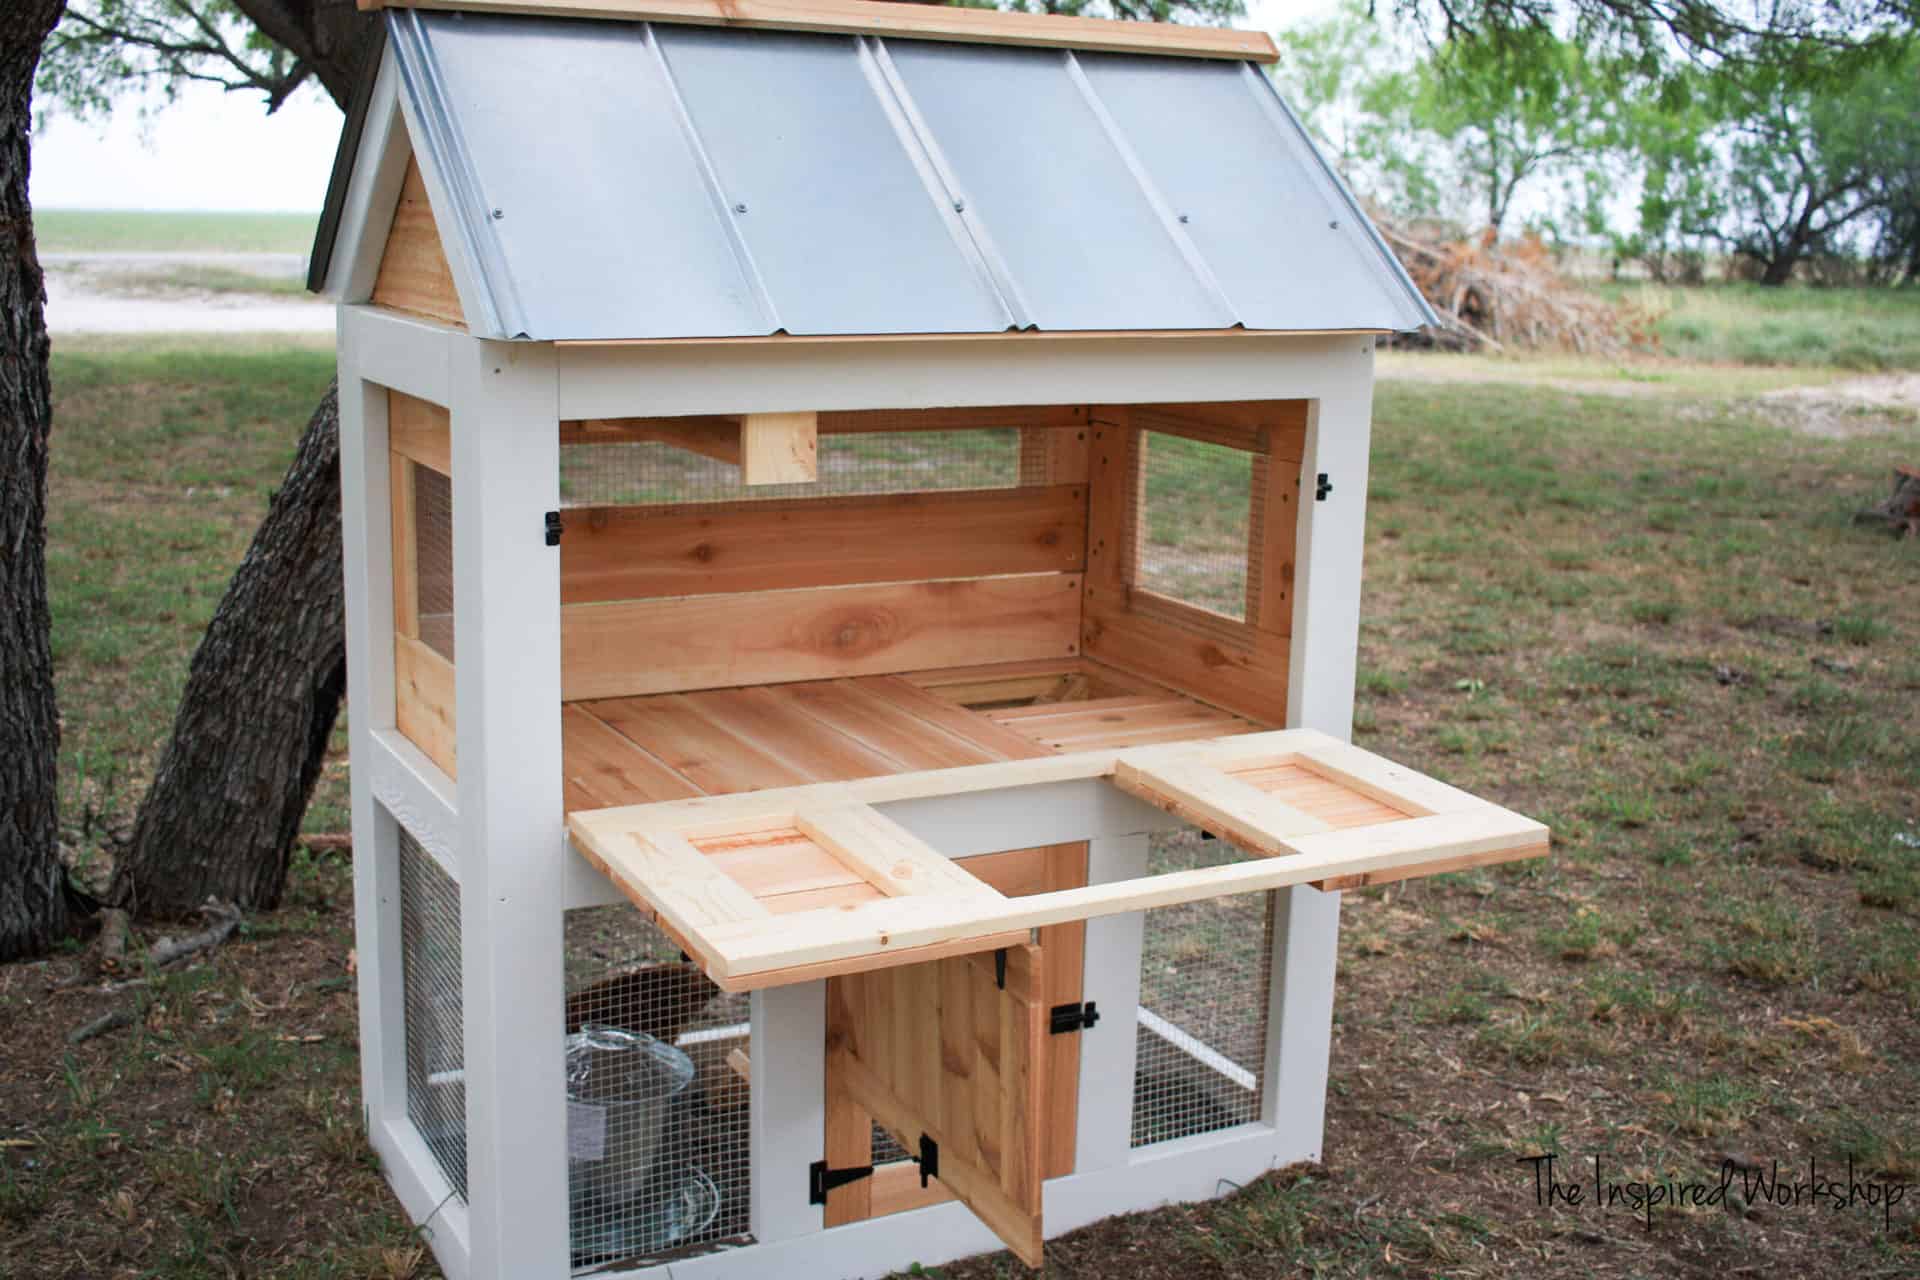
x=650, y=473
x=1205, y=970
x=1195, y=520
x=431, y=995
x=433, y=558
x=657, y=1096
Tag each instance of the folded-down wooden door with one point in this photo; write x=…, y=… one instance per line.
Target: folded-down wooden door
x=1306, y=809
x=949, y=1057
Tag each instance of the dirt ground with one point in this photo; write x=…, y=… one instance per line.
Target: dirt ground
x=130, y=293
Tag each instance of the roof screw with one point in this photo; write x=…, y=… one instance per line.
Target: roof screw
x=959, y=206
x=740, y=208
x=1335, y=224
x=499, y=214
x=1186, y=218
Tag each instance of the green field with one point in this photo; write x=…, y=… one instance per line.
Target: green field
x=1801, y=325
x=1644, y=619
x=127, y=231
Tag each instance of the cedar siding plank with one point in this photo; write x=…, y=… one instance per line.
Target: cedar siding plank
x=630, y=553
x=769, y=637
x=414, y=275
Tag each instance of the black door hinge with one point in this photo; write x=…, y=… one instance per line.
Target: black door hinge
x=929, y=1159
x=553, y=528
x=1068, y=1018
x=1000, y=968
x=821, y=1179
x=1322, y=486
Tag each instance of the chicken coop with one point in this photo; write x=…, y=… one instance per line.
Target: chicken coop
x=853, y=524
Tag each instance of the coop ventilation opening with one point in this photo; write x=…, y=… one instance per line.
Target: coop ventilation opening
x=1205, y=977
x=433, y=559
x=435, y=1019
x=1193, y=516
x=597, y=472
x=657, y=1097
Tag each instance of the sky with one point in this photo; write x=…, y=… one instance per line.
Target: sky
x=217, y=150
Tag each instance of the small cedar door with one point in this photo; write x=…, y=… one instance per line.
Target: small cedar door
x=949, y=1051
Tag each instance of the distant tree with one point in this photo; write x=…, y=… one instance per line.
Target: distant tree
x=1670, y=139
x=1778, y=173
x=1331, y=72
x=1505, y=113
x=36, y=898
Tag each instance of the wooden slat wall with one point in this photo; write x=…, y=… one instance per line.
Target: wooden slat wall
x=418, y=436
x=1238, y=666
x=768, y=637
x=423, y=700
x=625, y=553
x=414, y=276
x=672, y=599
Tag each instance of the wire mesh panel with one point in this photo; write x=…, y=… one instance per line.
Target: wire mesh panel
x=1205, y=970
x=657, y=1096
x=1195, y=519
x=433, y=558
x=652, y=473
x=431, y=994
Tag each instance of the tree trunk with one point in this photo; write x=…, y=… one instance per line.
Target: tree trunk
x=262, y=694
x=1779, y=268
x=251, y=731
x=36, y=902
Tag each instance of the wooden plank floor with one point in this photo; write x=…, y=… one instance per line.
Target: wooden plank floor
x=621, y=751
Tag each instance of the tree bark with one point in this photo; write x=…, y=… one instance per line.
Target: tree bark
x=251, y=733
x=36, y=900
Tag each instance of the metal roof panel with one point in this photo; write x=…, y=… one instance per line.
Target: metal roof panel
x=619, y=180
x=841, y=226
x=1034, y=164
x=604, y=219
x=1284, y=243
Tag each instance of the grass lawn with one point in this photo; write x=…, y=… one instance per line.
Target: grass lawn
x=194, y=279
x=1865, y=329
x=1646, y=620
x=144, y=231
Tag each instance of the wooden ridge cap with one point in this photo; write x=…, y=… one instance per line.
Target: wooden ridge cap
x=910, y=21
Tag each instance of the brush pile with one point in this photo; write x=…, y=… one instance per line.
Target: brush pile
x=1507, y=296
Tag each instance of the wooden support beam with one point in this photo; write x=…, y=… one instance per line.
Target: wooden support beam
x=886, y=854
x=769, y=448
x=926, y=22
x=780, y=448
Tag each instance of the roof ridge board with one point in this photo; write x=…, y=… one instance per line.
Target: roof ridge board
x=904, y=21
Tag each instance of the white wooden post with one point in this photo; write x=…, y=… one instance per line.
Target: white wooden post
x=788, y=1109
x=1104, y=1126
x=506, y=476
x=1326, y=639
x=366, y=535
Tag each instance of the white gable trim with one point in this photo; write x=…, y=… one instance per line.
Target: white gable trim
x=373, y=192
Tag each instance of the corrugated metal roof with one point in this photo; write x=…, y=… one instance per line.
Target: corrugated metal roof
x=636, y=180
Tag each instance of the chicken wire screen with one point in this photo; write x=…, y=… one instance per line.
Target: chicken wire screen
x=433, y=558
x=1205, y=967
x=1193, y=520
x=654, y=473
x=657, y=1096
x=431, y=995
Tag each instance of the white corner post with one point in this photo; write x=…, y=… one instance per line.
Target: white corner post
x=506, y=476
x=1326, y=637
x=367, y=548
x=788, y=1113
x=1103, y=1128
